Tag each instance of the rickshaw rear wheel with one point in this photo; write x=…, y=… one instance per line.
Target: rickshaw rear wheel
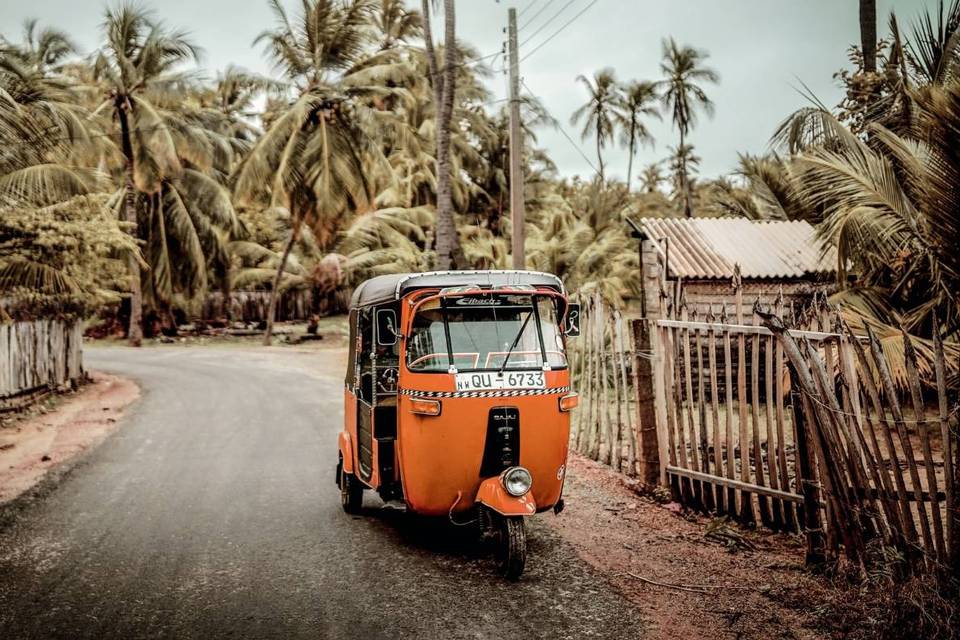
x=351, y=492
x=511, y=552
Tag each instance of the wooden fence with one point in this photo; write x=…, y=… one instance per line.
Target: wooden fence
x=804, y=430
x=37, y=355
x=605, y=426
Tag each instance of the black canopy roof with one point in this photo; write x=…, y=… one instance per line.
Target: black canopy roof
x=392, y=287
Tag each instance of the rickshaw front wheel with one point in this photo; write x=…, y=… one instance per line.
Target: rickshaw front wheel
x=351, y=492
x=511, y=552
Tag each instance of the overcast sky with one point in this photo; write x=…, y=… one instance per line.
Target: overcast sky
x=764, y=51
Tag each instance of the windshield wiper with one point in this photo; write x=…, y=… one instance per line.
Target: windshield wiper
x=515, y=342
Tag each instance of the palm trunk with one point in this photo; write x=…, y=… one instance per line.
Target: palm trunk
x=684, y=180
x=633, y=144
x=275, y=289
x=868, y=34
x=135, y=330
x=444, y=88
x=600, y=156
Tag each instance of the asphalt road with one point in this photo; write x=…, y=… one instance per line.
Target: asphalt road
x=212, y=513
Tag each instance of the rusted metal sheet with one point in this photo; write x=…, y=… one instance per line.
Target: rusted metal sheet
x=707, y=248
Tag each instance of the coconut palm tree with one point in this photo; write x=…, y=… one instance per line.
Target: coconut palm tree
x=311, y=161
x=639, y=100
x=651, y=177
x=682, y=162
x=396, y=24
x=173, y=160
x=683, y=96
x=139, y=55
x=598, y=113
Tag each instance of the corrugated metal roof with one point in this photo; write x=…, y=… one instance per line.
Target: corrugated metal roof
x=709, y=247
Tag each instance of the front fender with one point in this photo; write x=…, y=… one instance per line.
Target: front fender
x=346, y=450
x=493, y=495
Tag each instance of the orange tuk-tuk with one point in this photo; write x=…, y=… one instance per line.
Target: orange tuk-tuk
x=458, y=399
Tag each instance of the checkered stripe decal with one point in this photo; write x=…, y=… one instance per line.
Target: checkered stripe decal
x=489, y=393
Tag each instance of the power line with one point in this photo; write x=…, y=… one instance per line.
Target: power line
x=558, y=31
x=536, y=15
x=563, y=131
x=549, y=20
x=527, y=8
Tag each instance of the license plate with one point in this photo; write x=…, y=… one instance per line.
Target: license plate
x=508, y=380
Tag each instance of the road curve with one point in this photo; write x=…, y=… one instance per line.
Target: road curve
x=212, y=513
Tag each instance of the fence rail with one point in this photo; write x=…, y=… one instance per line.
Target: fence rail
x=38, y=354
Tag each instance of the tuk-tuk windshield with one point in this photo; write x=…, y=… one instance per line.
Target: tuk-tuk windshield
x=482, y=331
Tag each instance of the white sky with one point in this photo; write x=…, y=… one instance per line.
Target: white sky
x=764, y=50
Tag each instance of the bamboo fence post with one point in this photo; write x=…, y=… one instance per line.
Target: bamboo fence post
x=806, y=480
x=708, y=491
x=853, y=482
x=715, y=418
x=583, y=437
x=908, y=529
x=891, y=393
x=951, y=465
x=762, y=502
x=618, y=396
x=631, y=432
x=674, y=438
x=773, y=443
x=728, y=423
x=604, y=360
x=860, y=424
x=916, y=397
x=698, y=487
x=746, y=499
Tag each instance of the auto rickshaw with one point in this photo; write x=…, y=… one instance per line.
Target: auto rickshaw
x=458, y=399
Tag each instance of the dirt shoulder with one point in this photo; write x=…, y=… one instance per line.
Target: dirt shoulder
x=45, y=440
x=721, y=588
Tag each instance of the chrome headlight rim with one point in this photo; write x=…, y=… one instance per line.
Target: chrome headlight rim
x=517, y=481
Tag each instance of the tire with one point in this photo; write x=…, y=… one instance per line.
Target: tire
x=511, y=551
x=351, y=492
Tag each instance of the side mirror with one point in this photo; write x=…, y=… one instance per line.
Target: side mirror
x=387, y=328
x=571, y=327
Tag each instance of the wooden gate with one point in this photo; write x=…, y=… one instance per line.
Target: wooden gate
x=729, y=436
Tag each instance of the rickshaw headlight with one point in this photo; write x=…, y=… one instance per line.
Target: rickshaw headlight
x=425, y=407
x=517, y=481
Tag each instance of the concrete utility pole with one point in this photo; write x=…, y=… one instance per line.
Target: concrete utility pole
x=517, y=214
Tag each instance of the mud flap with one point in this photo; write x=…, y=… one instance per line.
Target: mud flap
x=495, y=497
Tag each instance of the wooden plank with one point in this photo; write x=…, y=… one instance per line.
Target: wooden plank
x=861, y=425
x=608, y=427
x=951, y=465
x=628, y=415
x=890, y=392
x=746, y=500
x=715, y=408
x=908, y=529
x=773, y=444
x=735, y=484
x=762, y=502
x=617, y=443
x=660, y=405
x=684, y=335
x=746, y=329
x=708, y=496
x=916, y=398
x=728, y=423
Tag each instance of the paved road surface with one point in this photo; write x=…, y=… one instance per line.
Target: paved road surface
x=212, y=513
